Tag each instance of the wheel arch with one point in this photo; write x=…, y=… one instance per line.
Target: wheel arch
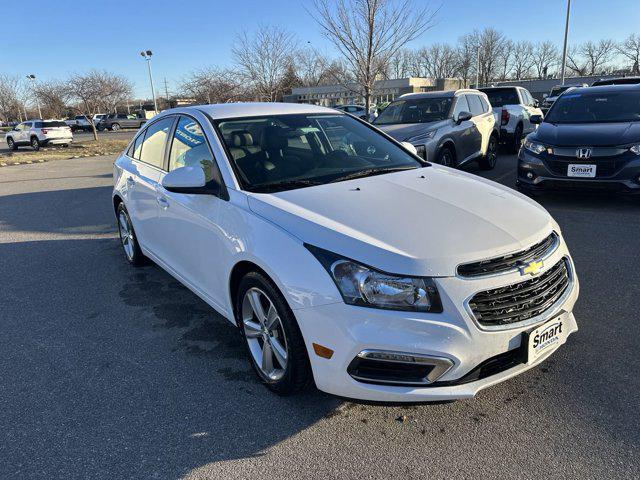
x=450, y=144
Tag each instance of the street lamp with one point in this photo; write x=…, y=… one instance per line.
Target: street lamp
x=33, y=90
x=566, y=36
x=147, y=56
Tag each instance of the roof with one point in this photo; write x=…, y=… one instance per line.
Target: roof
x=438, y=93
x=255, y=109
x=607, y=88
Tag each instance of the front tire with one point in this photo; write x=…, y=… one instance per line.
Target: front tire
x=446, y=157
x=128, y=239
x=11, y=144
x=35, y=144
x=277, y=351
x=488, y=162
x=115, y=127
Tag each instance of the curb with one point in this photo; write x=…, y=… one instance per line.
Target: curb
x=41, y=160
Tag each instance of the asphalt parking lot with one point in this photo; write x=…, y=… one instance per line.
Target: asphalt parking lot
x=112, y=372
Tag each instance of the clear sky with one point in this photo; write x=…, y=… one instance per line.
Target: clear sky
x=73, y=36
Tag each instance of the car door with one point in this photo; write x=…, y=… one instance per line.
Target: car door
x=483, y=120
x=190, y=240
x=23, y=133
x=142, y=182
x=463, y=133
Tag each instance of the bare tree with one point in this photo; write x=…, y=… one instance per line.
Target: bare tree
x=368, y=33
x=440, y=60
x=522, y=59
x=591, y=58
x=490, y=43
x=545, y=56
x=95, y=91
x=505, y=59
x=11, y=97
x=213, y=85
x=263, y=59
x=313, y=68
x=53, y=97
x=630, y=49
x=466, y=57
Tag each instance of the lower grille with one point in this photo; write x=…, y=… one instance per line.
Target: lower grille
x=521, y=301
x=605, y=167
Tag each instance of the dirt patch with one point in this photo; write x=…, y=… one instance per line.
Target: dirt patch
x=89, y=148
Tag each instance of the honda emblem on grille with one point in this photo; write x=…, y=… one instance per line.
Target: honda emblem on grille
x=531, y=268
x=583, y=153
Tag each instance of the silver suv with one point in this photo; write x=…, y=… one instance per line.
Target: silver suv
x=39, y=133
x=448, y=127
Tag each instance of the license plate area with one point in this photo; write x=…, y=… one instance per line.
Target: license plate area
x=545, y=339
x=581, y=170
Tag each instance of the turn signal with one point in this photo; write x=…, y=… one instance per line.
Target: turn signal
x=321, y=351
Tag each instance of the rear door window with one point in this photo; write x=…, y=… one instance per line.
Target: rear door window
x=154, y=142
x=475, y=105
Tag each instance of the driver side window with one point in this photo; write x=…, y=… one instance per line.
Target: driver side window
x=189, y=148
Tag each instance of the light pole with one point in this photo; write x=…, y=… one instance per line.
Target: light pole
x=33, y=90
x=147, y=56
x=566, y=36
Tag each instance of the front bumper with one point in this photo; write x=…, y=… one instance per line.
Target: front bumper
x=534, y=174
x=454, y=335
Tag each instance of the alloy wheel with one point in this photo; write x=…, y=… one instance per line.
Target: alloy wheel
x=35, y=144
x=265, y=334
x=126, y=235
x=492, y=151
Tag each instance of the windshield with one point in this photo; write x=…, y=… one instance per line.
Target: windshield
x=418, y=110
x=596, y=107
x=555, y=91
x=281, y=152
x=503, y=96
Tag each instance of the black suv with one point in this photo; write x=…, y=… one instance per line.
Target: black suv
x=590, y=139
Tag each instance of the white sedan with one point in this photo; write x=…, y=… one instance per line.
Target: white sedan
x=342, y=257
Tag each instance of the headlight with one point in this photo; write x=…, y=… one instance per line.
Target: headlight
x=635, y=149
x=422, y=136
x=366, y=287
x=534, y=147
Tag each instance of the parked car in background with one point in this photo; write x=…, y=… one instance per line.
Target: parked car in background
x=513, y=106
x=79, y=122
x=98, y=117
x=448, y=127
x=117, y=121
x=616, y=81
x=343, y=260
x=39, y=133
x=357, y=110
x=555, y=92
x=590, y=139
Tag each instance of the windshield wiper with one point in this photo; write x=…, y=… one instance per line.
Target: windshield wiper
x=369, y=172
x=283, y=185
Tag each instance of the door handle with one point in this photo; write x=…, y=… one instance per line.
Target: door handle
x=164, y=204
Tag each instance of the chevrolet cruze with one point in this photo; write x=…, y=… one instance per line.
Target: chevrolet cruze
x=344, y=259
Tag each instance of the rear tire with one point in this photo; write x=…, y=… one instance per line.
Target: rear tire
x=283, y=336
x=128, y=239
x=516, y=141
x=11, y=144
x=115, y=127
x=35, y=144
x=446, y=157
x=488, y=162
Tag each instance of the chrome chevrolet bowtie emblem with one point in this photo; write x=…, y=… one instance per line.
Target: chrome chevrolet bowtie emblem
x=583, y=153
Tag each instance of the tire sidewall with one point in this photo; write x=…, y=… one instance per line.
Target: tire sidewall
x=297, y=370
x=35, y=143
x=138, y=257
x=442, y=154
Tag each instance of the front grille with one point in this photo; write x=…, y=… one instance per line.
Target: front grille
x=521, y=301
x=608, y=160
x=509, y=262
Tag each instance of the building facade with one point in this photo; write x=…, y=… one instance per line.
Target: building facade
x=383, y=91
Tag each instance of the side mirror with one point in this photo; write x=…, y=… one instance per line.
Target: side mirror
x=463, y=117
x=185, y=180
x=409, y=147
x=535, y=119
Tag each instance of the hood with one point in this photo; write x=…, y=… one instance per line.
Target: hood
x=588, y=134
x=406, y=224
x=403, y=131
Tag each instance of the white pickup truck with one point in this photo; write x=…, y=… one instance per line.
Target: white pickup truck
x=79, y=122
x=512, y=107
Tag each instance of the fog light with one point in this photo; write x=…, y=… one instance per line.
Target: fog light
x=530, y=176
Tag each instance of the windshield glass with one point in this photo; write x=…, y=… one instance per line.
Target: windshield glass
x=418, y=110
x=502, y=96
x=596, y=107
x=282, y=152
x=555, y=91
